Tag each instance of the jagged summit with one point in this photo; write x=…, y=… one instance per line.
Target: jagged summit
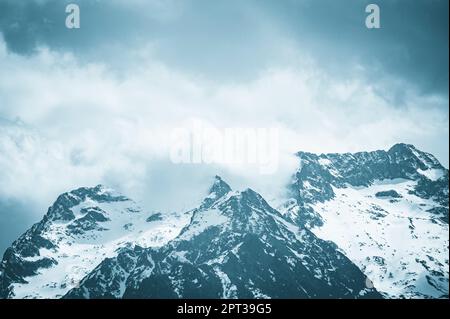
x=238, y=247
x=251, y=198
x=423, y=160
x=221, y=195
x=364, y=168
x=400, y=152
x=82, y=227
x=371, y=204
x=218, y=189
x=62, y=208
x=402, y=147
x=318, y=177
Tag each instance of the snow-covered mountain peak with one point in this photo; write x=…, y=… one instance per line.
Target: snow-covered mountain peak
x=317, y=173
x=369, y=217
x=239, y=247
x=387, y=210
x=218, y=189
x=409, y=153
x=83, y=227
x=403, y=148
x=243, y=211
x=61, y=210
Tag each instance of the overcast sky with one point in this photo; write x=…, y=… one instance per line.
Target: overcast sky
x=97, y=104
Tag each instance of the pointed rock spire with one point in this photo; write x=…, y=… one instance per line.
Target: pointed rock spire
x=219, y=187
x=217, y=190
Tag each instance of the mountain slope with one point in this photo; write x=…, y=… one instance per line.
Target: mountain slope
x=386, y=210
x=235, y=246
x=80, y=229
x=353, y=221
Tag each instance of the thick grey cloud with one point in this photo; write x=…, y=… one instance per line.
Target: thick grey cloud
x=412, y=42
x=234, y=40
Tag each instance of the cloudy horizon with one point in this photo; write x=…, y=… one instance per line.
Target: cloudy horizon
x=97, y=105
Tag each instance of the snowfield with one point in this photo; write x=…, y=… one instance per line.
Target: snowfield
x=395, y=241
